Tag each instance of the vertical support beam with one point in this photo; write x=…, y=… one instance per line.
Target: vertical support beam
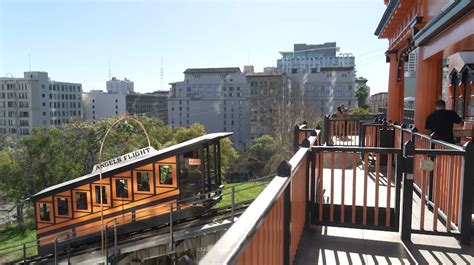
x=428, y=87
x=287, y=224
x=312, y=199
x=218, y=158
x=232, y=203
x=218, y=180
x=326, y=130
x=465, y=198
x=296, y=136
x=431, y=175
x=284, y=170
x=407, y=200
x=395, y=90
x=171, y=243
x=24, y=253
x=309, y=164
x=106, y=245
x=208, y=171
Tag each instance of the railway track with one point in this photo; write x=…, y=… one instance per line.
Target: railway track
x=210, y=216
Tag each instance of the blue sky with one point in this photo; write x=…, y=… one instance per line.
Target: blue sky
x=74, y=40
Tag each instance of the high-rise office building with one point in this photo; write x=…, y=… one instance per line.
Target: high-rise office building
x=36, y=101
x=115, y=85
x=214, y=97
x=153, y=104
x=98, y=105
x=325, y=79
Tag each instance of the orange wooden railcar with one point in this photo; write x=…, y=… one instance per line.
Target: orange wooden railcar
x=138, y=190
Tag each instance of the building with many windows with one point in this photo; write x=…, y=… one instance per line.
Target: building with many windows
x=36, y=101
x=325, y=79
x=115, y=85
x=98, y=104
x=311, y=58
x=150, y=104
x=214, y=97
x=267, y=101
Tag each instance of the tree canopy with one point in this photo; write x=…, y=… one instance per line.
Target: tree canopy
x=54, y=155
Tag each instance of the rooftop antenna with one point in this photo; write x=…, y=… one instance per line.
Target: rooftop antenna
x=29, y=60
x=110, y=72
x=162, y=75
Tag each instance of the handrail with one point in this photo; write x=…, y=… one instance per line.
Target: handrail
x=426, y=137
x=380, y=150
x=235, y=240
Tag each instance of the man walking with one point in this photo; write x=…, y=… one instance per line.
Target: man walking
x=440, y=122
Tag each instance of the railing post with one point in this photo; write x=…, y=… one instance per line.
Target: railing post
x=431, y=176
x=296, y=136
x=232, y=201
x=284, y=170
x=68, y=250
x=55, y=251
x=386, y=139
x=312, y=198
x=465, y=200
x=361, y=133
x=24, y=253
x=171, y=244
x=326, y=130
x=309, y=164
x=115, y=238
x=106, y=247
x=407, y=199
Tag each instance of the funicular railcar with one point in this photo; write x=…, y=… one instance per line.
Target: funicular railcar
x=137, y=190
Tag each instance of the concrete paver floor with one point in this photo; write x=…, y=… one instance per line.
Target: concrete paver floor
x=336, y=245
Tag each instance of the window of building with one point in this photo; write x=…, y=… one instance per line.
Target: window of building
x=81, y=200
x=294, y=70
x=121, y=187
x=45, y=212
x=63, y=206
x=97, y=194
x=143, y=181
x=166, y=177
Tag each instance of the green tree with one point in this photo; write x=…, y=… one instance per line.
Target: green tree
x=54, y=155
x=362, y=92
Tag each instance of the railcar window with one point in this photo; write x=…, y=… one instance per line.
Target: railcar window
x=81, y=200
x=121, y=186
x=45, y=212
x=166, y=177
x=97, y=195
x=143, y=181
x=63, y=206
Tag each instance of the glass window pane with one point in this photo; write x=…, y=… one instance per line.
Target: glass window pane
x=143, y=181
x=121, y=186
x=63, y=206
x=166, y=175
x=81, y=200
x=97, y=195
x=45, y=212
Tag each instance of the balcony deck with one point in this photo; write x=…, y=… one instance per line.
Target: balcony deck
x=339, y=245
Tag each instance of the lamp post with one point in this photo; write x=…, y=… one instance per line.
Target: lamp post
x=124, y=117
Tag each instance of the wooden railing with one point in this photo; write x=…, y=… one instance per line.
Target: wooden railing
x=352, y=199
x=262, y=234
x=442, y=188
x=345, y=131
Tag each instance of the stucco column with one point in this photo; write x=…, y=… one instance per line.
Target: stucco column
x=395, y=91
x=428, y=87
